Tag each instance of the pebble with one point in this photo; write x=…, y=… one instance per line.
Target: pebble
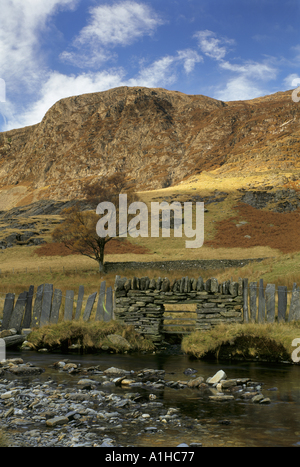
x=103, y=412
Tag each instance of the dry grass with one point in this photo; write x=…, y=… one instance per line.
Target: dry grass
x=52, y=263
x=90, y=335
x=269, y=341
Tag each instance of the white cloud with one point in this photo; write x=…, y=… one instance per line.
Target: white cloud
x=165, y=70
x=21, y=25
x=248, y=81
x=211, y=46
x=292, y=80
x=239, y=88
x=159, y=73
x=251, y=69
x=88, y=57
x=119, y=24
x=190, y=58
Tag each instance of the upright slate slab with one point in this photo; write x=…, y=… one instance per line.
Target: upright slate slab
x=18, y=312
x=28, y=309
x=294, y=312
x=253, y=299
x=261, y=303
x=100, y=306
x=8, y=309
x=109, y=305
x=282, y=302
x=225, y=287
x=270, y=302
x=200, y=286
x=37, y=307
x=214, y=286
x=56, y=303
x=89, y=306
x=68, y=316
x=79, y=302
x=46, y=305
x=245, y=300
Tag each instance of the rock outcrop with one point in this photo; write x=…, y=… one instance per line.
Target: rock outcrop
x=156, y=137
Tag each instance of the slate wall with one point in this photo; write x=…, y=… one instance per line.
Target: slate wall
x=140, y=302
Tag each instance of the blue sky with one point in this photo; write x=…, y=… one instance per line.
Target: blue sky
x=225, y=49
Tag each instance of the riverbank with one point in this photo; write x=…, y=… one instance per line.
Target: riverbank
x=235, y=342
x=271, y=342
x=88, y=336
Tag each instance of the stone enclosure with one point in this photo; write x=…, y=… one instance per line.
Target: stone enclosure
x=140, y=302
x=144, y=302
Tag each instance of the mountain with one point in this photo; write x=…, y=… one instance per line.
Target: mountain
x=157, y=137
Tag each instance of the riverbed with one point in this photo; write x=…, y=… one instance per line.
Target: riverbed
x=237, y=422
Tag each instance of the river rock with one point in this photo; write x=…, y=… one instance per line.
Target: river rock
x=7, y=395
x=195, y=383
x=75, y=416
x=15, y=361
x=86, y=381
x=190, y=371
x=221, y=397
x=26, y=370
x=116, y=372
x=229, y=383
x=266, y=400
x=127, y=382
x=256, y=399
x=217, y=377
x=57, y=421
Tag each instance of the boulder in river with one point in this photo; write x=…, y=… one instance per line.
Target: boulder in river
x=26, y=370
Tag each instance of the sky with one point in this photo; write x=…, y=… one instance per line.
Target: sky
x=224, y=49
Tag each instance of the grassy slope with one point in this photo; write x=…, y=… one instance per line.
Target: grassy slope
x=281, y=267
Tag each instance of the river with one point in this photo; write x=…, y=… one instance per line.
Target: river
x=231, y=423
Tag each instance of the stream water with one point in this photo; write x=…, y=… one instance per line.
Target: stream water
x=230, y=423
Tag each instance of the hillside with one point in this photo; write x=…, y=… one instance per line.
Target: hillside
x=158, y=138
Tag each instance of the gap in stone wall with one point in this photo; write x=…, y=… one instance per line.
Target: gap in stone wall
x=180, y=317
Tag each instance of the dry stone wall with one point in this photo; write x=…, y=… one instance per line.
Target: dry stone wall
x=140, y=302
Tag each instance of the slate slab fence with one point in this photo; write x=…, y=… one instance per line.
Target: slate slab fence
x=31, y=310
x=259, y=305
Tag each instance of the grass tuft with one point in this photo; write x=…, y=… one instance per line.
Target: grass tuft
x=89, y=335
x=249, y=341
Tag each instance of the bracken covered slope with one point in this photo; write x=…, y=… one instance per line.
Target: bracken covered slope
x=157, y=137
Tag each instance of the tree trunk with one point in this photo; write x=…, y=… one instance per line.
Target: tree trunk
x=101, y=257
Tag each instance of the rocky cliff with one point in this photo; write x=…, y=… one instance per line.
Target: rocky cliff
x=157, y=137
